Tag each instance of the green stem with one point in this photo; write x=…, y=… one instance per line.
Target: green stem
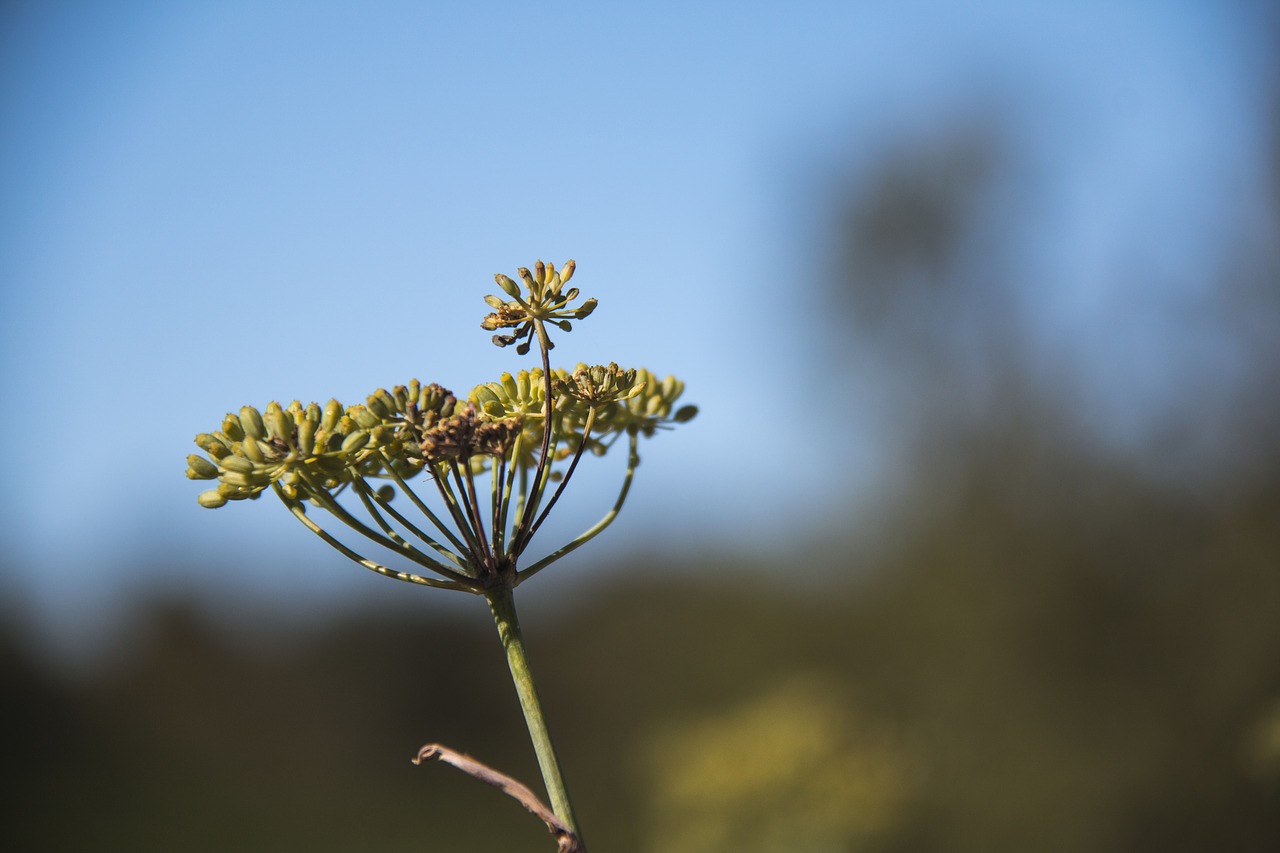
x=502, y=603
x=634, y=460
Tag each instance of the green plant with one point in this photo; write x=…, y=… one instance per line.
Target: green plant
x=524, y=434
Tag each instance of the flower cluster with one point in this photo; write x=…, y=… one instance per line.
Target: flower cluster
x=520, y=428
x=541, y=302
x=299, y=448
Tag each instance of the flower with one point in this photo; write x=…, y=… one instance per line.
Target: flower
x=542, y=302
x=651, y=408
x=289, y=446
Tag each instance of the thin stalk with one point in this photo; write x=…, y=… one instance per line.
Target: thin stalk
x=498, y=468
x=459, y=517
x=502, y=603
x=369, y=498
x=591, y=533
x=467, y=489
x=422, y=507
x=338, y=512
x=564, y=481
x=416, y=531
x=539, y=479
x=299, y=513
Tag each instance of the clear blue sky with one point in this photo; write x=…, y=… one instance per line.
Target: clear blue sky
x=212, y=204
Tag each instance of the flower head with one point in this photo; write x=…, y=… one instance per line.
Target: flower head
x=651, y=407
x=543, y=300
x=290, y=445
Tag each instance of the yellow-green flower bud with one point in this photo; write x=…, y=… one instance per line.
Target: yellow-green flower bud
x=510, y=287
x=281, y=424
x=355, y=441
x=231, y=427
x=488, y=401
x=251, y=422
x=211, y=444
x=554, y=282
x=364, y=418
x=243, y=479
x=238, y=464
x=375, y=404
x=386, y=493
x=211, y=499
x=199, y=468
x=307, y=437
x=510, y=386
x=332, y=414
x=252, y=450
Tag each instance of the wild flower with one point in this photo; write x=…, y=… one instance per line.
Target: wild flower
x=522, y=436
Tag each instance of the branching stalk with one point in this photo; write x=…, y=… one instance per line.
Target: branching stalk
x=423, y=508
x=595, y=530
x=299, y=513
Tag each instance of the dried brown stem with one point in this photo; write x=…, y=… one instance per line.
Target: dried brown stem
x=566, y=839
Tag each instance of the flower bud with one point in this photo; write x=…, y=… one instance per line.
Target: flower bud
x=211, y=499
x=355, y=441
x=231, y=427
x=251, y=422
x=375, y=405
x=364, y=418
x=252, y=450
x=281, y=424
x=508, y=286
x=199, y=468
x=211, y=444
x=237, y=480
x=486, y=399
x=332, y=413
x=307, y=437
x=238, y=464
x=686, y=414
x=509, y=385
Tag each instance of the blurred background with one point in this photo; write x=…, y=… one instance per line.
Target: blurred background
x=974, y=546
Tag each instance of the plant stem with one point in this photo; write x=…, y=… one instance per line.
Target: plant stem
x=502, y=603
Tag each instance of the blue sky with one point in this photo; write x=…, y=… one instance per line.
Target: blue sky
x=212, y=204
